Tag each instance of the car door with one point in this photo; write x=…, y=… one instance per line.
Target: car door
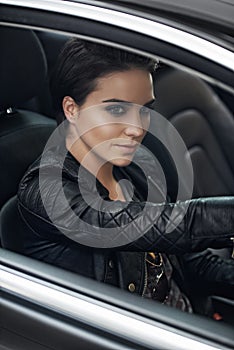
x=44, y=307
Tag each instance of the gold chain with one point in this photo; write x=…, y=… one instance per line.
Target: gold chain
x=153, y=264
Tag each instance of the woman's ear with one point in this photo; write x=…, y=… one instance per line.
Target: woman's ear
x=70, y=109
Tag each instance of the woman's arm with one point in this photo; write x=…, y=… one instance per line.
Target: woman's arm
x=93, y=221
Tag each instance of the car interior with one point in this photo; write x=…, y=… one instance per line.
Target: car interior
x=202, y=114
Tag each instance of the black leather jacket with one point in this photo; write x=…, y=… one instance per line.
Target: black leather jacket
x=58, y=234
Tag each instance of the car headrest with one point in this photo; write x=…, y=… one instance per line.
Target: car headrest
x=23, y=66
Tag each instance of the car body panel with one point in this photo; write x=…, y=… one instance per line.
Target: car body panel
x=42, y=289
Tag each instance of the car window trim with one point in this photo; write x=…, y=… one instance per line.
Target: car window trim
x=211, y=72
x=137, y=328
x=87, y=288
x=134, y=23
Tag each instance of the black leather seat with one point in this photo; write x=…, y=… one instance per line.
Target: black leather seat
x=11, y=226
x=206, y=126
x=23, y=133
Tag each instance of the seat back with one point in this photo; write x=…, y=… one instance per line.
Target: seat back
x=11, y=226
x=206, y=126
x=23, y=133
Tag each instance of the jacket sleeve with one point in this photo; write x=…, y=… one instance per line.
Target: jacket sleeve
x=92, y=221
x=208, y=272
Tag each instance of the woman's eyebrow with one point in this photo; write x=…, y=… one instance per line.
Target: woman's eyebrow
x=124, y=101
x=116, y=100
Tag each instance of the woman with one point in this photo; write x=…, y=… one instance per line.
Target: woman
x=88, y=201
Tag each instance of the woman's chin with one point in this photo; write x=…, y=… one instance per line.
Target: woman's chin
x=121, y=162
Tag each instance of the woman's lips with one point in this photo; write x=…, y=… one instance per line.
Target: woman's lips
x=127, y=148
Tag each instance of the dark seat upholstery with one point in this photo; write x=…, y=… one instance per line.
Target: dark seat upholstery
x=11, y=226
x=23, y=133
x=206, y=126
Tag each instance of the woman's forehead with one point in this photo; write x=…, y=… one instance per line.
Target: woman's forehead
x=134, y=86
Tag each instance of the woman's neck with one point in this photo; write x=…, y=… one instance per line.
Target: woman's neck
x=105, y=176
x=94, y=164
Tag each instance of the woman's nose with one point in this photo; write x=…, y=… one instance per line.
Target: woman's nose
x=134, y=131
x=135, y=127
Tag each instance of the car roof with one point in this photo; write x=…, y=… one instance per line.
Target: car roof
x=219, y=12
x=215, y=17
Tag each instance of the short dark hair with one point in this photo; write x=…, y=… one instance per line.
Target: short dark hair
x=79, y=65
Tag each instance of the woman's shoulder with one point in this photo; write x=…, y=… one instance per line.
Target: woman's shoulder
x=52, y=165
x=51, y=161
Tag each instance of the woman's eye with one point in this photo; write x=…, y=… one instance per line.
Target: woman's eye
x=116, y=110
x=144, y=111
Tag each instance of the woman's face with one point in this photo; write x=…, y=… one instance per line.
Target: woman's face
x=115, y=117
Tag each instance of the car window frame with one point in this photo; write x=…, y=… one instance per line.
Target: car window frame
x=54, y=19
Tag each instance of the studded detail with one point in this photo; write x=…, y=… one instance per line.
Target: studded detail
x=131, y=287
x=111, y=264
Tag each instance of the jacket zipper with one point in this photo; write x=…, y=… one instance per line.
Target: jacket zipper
x=146, y=276
x=155, y=185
